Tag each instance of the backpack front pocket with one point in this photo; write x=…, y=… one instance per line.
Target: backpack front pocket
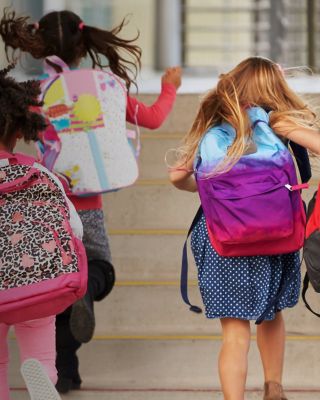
x=260, y=211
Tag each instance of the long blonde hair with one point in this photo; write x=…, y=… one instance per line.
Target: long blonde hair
x=256, y=81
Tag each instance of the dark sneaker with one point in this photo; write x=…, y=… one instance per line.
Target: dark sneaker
x=37, y=381
x=82, y=321
x=64, y=385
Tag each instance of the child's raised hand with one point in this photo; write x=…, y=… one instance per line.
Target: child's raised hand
x=172, y=75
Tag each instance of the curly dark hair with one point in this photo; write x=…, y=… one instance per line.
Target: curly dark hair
x=63, y=34
x=16, y=115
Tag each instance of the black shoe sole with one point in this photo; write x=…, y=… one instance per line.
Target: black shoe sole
x=82, y=321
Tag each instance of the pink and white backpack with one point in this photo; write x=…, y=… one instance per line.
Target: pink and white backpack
x=87, y=140
x=43, y=266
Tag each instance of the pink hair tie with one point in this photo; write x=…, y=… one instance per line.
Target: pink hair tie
x=81, y=25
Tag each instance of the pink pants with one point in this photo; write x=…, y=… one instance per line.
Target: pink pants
x=36, y=339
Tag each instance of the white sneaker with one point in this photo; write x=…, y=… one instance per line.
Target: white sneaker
x=37, y=381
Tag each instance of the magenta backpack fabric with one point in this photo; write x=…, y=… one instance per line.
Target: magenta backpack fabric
x=43, y=266
x=256, y=207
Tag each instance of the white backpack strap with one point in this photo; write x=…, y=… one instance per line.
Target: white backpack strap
x=135, y=134
x=49, y=69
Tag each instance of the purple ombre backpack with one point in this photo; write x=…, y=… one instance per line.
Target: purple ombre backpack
x=255, y=208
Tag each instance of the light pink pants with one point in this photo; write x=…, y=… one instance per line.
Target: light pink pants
x=36, y=339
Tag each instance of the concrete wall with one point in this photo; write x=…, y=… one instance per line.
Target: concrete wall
x=109, y=13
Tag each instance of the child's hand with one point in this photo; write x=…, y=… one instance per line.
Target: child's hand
x=172, y=75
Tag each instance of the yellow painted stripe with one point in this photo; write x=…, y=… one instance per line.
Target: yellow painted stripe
x=148, y=232
x=154, y=283
x=293, y=338
x=296, y=338
x=153, y=182
x=157, y=337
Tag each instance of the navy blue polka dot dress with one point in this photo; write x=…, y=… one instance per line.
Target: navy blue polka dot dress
x=242, y=287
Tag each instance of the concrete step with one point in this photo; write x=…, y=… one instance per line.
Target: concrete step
x=149, y=255
x=154, y=149
x=156, y=207
x=100, y=394
x=150, y=207
x=177, y=365
x=154, y=146
x=150, y=310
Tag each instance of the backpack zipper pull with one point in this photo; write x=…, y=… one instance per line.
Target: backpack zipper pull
x=297, y=187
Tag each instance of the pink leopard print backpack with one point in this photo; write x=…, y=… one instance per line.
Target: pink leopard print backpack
x=43, y=266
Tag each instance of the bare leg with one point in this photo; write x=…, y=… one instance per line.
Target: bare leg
x=233, y=358
x=271, y=344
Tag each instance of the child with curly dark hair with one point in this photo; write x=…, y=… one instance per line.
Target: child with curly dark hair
x=18, y=116
x=20, y=119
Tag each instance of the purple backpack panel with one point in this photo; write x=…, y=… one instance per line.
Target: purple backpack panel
x=255, y=208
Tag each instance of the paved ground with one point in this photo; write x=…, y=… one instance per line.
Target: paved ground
x=167, y=395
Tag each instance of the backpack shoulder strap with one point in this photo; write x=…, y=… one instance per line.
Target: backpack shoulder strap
x=54, y=60
x=184, y=265
x=23, y=159
x=303, y=162
x=303, y=294
x=15, y=158
x=22, y=181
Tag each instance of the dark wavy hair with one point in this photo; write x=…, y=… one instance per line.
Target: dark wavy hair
x=16, y=114
x=63, y=34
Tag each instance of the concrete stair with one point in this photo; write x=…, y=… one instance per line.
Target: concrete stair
x=147, y=344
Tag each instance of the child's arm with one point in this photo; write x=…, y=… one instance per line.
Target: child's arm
x=306, y=137
x=153, y=116
x=182, y=177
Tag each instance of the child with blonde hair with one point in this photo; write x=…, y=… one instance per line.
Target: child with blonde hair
x=243, y=287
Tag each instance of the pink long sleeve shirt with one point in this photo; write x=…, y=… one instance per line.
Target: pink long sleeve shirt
x=148, y=117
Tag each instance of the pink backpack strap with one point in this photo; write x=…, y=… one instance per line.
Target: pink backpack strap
x=16, y=158
x=21, y=182
x=7, y=158
x=57, y=61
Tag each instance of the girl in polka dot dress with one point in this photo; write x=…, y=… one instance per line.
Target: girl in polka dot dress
x=236, y=289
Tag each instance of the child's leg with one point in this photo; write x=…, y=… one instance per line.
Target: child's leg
x=233, y=363
x=4, y=360
x=67, y=361
x=36, y=339
x=271, y=343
